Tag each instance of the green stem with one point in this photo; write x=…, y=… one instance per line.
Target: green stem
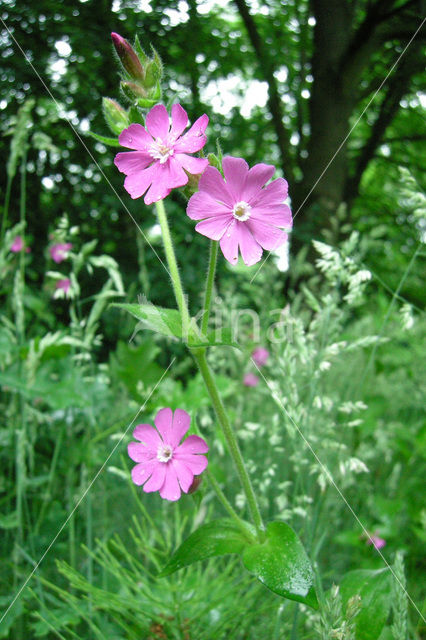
x=224, y=501
x=174, y=271
x=6, y=206
x=214, y=246
x=200, y=358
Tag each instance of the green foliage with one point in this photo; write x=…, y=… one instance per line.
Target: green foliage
x=374, y=589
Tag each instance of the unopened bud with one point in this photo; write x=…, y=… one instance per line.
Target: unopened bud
x=128, y=57
x=115, y=116
x=214, y=160
x=195, y=484
x=133, y=91
x=154, y=71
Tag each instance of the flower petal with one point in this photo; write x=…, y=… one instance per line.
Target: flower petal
x=132, y=161
x=157, y=121
x=184, y=474
x=196, y=463
x=170, y=489
x=251, y=251
x=192, y=165
x=147, y=435
x=181, y=423
x=157, y=478
x=194, y=139
x=167, y=176
x=163, y=421
x=267, y=236
x=179, y=120
x=212, y=182
x=214, y=228
x=274, y=193
x=192, y=444
x=137, y=183
x=202, y=205
x=235, y=171
x=257, y=177
x=278, y=215
x=229, y=243
x=141, y=452
x=135, y=137
x=143, y=471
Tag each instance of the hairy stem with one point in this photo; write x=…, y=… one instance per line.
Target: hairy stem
x=214, y=246
x=200, y=358
x=173, y=267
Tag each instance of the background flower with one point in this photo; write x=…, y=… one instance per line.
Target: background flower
x=159, y=160
x=164, y=464
x=260, y=356
x=250, y=380
x=239, y=211
x=59, y=251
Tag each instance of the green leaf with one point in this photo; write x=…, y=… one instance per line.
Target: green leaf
x=110, y=142
x=216, y=538
x=164, y=321
x=374, y=587
x=168, y=323
x=281, y=563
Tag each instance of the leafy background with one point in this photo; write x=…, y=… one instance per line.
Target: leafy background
x=349, y=372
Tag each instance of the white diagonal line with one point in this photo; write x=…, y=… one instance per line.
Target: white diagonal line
x=331, y=480
x=350, y=132
x=80, y=139
x=86, y=491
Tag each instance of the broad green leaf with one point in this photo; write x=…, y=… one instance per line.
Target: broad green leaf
x=281, y=563
x=216, y=538
x=168, y=323
x=111, y=142
x=164, y=321
x=374, y=587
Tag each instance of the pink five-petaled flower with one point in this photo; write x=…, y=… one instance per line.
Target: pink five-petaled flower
x=260, y=356
x=160, y=155
x=250, y=380
x=59, y=251
x=164, y=464
x=239, y=211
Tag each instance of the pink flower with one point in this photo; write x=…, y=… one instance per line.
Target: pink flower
x=378, y=543
x=164, y=464
x=250, y=380
x=59, y=251
x=239, y=211
x=260, y=356
x=17, y=245
x=160, y=155
x=64, y=285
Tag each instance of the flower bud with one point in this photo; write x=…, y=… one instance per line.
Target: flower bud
x=153, y=71
x=214, y=161
x=128, y=57
x=115, y=116
x=195, y=484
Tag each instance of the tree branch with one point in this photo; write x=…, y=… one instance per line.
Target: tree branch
x=396, y=88
x=274, y=97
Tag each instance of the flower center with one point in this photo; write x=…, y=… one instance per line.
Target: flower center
x=241, y=211
x=164, y=453
x=161, y=151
